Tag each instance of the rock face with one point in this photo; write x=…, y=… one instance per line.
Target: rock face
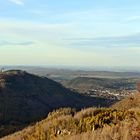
x=25, y=98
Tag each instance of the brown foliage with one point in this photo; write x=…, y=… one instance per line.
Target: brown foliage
x=91, y=124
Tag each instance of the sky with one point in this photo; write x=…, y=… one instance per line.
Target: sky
x=70, y=32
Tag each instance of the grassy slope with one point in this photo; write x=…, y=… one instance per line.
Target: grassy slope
x=90, y=123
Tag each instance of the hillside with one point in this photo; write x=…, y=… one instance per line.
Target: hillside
x=113, y=123
x=132, y=102
x=87, y=124
x=26, y=98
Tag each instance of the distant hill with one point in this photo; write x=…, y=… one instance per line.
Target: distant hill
x=26, y=98
x=69, y=73
x=83, y=84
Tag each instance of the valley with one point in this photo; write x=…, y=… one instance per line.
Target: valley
x=27, y=100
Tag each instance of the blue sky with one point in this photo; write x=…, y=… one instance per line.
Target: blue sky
x=70, y=32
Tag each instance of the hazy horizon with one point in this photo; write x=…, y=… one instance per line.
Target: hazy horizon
x=73, y=68
x=77, y=33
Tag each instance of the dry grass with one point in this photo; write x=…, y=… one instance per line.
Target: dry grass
x=131, y=102
x=66, y=124
x=85, y=113
x=119, y=132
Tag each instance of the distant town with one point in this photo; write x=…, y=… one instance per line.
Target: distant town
x=108, y=93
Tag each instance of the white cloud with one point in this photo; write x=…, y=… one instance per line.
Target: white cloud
x=46, y=45
x=42, y=33
x=18, y=2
